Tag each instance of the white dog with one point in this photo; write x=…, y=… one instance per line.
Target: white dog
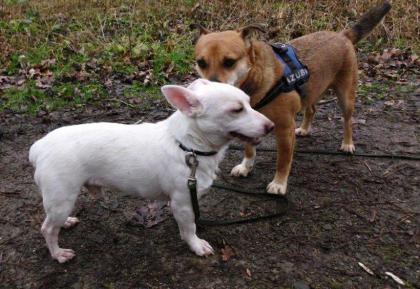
x=144, y=159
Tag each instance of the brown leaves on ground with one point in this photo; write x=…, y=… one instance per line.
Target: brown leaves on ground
x=41, y=73
x=152, y=214
x=227, y=253
x=394, y=64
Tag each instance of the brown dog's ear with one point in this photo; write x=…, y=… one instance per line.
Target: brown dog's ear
x=201, y=28
x=246, y=31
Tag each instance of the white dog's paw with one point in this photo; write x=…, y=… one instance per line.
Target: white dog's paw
x=70, y=222
x=277, y=188
x=63, y=255
x=201, y=247
x=349, y=148
x=240, y=171
x=302, y=132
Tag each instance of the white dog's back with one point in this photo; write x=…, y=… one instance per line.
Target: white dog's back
x=91, y=152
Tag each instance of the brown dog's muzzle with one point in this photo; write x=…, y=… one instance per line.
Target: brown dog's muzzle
x=214, y=78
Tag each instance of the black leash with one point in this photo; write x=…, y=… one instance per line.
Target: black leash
x=325, y=152
x=279, y=199
x=192, y=162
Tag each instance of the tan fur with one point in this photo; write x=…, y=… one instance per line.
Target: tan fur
x=332, y=62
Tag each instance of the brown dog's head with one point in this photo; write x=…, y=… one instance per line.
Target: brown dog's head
x=225, y=56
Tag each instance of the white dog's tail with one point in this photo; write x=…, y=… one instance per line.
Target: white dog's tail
x=34, y=152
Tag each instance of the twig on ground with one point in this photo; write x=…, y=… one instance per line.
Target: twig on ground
x=327, y=101
x=370, y=170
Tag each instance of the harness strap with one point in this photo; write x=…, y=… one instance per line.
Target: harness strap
x=295, y=74
x=271, y=94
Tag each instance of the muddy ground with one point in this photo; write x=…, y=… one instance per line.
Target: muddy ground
x=344, y=210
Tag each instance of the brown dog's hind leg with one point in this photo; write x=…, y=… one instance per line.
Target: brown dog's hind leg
x=285, y=137
x=346, y=92
x=308, y=116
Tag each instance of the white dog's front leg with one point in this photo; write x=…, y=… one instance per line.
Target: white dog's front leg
x=184, y=216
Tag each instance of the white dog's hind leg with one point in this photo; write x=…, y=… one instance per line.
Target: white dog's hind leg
x=184, y=216
x=58, y=203
x=50, y=232
x=70, y=222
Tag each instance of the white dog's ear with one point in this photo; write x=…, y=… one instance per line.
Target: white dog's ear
x=198, y=82
x=183, y=99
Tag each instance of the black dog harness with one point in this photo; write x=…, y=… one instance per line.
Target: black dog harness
x=295, y=74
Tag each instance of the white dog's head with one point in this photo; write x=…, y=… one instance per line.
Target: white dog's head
x=220, y=111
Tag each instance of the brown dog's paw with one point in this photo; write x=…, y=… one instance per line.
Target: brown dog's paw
x=278, y=188
x=302, y=132
x=240, y=170
x=349, y=148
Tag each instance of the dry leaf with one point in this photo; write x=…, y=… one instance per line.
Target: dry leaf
x=152, y=214
x=227, y=253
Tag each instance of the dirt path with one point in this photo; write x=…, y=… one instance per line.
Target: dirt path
x=345, y=210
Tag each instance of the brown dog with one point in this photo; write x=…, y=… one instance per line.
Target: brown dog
x=233, y=57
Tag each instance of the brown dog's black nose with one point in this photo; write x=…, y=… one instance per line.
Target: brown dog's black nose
x=269, y=127
x=214, y=78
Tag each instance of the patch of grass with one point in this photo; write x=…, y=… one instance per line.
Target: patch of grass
x=30, y=99
x=123, y=38
x=383, y=90
x=371, y=92
x=145, y=94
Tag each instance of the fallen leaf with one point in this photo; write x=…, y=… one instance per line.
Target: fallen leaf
x=248, y=272
x=45, y=81
x=152, y=214
x=227, y=253
x=373, y=216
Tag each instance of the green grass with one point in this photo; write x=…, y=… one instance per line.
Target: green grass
x=92, y=42
x=383, y=90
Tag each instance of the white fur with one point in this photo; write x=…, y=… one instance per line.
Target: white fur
x=245, y=167
x=142, y=159
x=349, y=148
x=238, y=73
x=276, y=187
x=303, y=132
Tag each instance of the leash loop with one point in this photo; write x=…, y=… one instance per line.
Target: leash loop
x=192, y=162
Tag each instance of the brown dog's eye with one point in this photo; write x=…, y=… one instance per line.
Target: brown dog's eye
x=237, y=110
x=202, y=63
x=229, y=62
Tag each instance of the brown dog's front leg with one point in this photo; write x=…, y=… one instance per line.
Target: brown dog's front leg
x=245, y=167
x=285, y=137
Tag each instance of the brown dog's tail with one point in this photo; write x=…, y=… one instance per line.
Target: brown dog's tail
x=368, y=21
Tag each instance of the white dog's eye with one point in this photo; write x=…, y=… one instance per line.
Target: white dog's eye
x=237, y=110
